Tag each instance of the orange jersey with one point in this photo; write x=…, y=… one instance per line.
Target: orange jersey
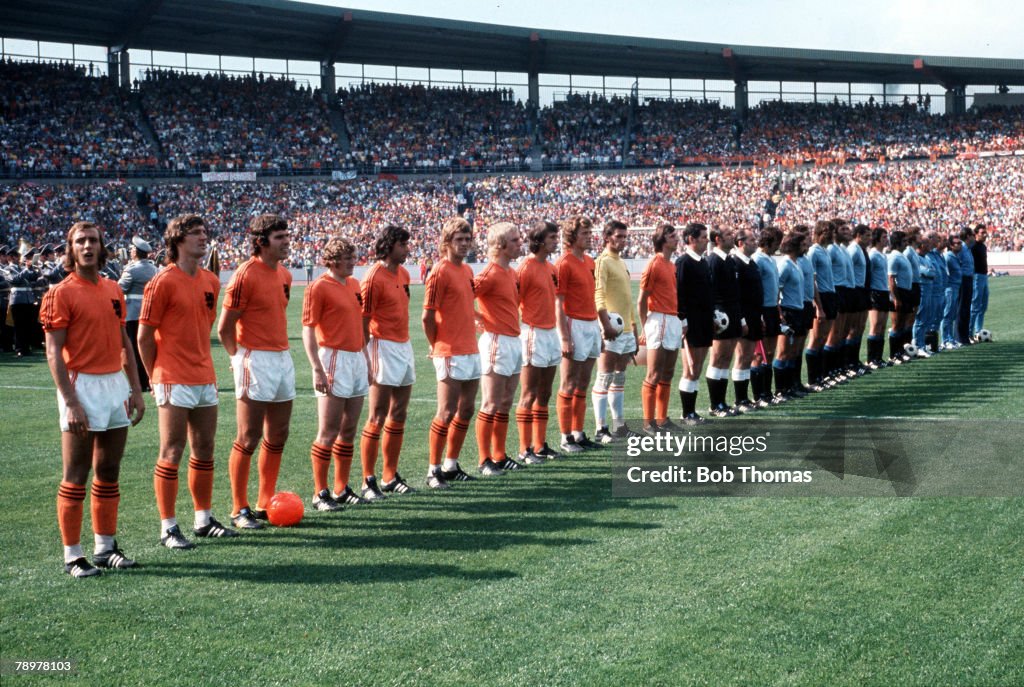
x=576, y=286
x=93, y=315
x=386, y=302
x=498, y=295
x=182, y=309
x=450, y=296
x=335, y=309
x=261, y=294
x=537, y=286
x=659, y=281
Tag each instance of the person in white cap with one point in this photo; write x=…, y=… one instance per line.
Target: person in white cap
x=134, y=278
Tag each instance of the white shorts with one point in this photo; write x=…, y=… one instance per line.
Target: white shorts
x=103, y=397
x=663, y=330
x=461, y=368
x=586, y=338
x=501, y=354
x=391, y=362
x=265, y=376
x=185, y=395
x=346, y=372
x=622, y=344
x=541, y=347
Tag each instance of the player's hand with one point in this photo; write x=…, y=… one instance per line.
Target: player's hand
x=78, y=422
x=641, y=341
x=744, y=329
x=609, y=333
x=567, y=348
x=136, y=407
x=320, y=381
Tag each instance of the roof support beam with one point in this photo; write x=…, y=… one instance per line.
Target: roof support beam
x=733, y=63
x=130, y=29
x=337, y=39
x=933, y=74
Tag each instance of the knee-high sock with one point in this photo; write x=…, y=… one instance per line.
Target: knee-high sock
x=688, y=395
x=599, y=396
x=269, y=466
x=105, y=498
x=524, y=423
x=456, y=437
x=238, y=469
x=766, y=383
x=648, y=401
x=438, y=441
x=662, y=401
x=617, y=397
x=165, y=487
x=394, y=433
x=484, y=434
x=70, y=506
x=369, y=444
x=782, y=375
x=499, y=437
x=320, y=457
x=200, y=483
x=341, y=452
x=579, y=410
x=814, y=366
x=540, y=426
x=563, y=407
x=741, y=383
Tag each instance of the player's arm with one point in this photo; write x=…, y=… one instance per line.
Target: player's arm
x=892, y=291
x=641, y=308
x=312, y=353
x=601, y=300
x=147, y=347
x=819, y=309
x=78, y=423
x=226, y=330
x=429, y=321
x=680, y=292
x=136, y=403
x=562, y=323
x=125, y=281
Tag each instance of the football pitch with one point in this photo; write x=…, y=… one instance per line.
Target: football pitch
x=540, y=577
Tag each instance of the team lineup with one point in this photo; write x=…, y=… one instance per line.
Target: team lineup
x=752, y=305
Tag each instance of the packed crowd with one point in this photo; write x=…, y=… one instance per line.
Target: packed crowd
x=584, y=130
x=415, y=128
x=57, y=118
x=940, y=195
x=218, y=122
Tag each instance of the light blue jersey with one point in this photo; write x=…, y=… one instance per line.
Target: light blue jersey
x=769, y=277
x=859, y=263
x=879, y=270
x=791, y=285
x=822, y=269
x=899, y=267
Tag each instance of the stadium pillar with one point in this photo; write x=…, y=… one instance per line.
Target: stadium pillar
x=113, y=72
x=126, y=70
x=956, y=100
x=533, y=88
x=328, y=84
x=741, y=100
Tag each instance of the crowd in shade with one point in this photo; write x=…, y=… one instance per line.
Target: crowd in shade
x=273, y=125
x=55, y=118
x=252, y=122
x=415, y=128
x=943, y=195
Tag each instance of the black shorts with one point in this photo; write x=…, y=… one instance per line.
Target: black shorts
x=830, y=304
x=700, y=329
x=755, y=329
x=844, y=299
x=863, y=297
x=880, y=301
x=915, y=291
x=795, y=320
x=810, y=314
x=771, y=320
x=907, y=304
x=734, y=330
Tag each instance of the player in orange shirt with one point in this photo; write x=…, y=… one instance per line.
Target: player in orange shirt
x=334, y=347
x=448, y=322
x=501, y=354
x=662, y=329
x=541, y=346
x=385, y=295
x=579, y=329
x=98, y=396
x=253, y=329
x=178, y=310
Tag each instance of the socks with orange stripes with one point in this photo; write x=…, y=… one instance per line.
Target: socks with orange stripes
x=649, y=400
x=661, y=404
x=524, y=422
x=269, y=467
x=105, y=497
x=70, y=505
x=368, y=447
x=200, y=485
x=579, y=410
x=342, y=453
x=165, y=486
x=320, y=457
x=563, y=407
x=500, y=437
x=540, y=426
x=238, y=470
x=438, y=440
x=484, y=434
x=456, y=437
x=394, y=432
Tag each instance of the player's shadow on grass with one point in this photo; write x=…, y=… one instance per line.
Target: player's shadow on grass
x=321, y=573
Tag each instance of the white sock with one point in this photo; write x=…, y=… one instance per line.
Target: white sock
x=577, y=435
x=73, y=552
x=202, y=518
x=450, y=464
x=616, y=397
x=103, y=543
x=166, y=524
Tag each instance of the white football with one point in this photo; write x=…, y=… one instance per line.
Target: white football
x=910, y=350
x=615, y=322
x=984, y=335
x=721, y=321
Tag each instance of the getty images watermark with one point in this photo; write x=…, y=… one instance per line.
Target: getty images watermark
x=828, y=457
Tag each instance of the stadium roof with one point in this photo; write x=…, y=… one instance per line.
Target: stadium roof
x=301, y=31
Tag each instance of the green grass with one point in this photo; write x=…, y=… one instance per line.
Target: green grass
x=539, y=577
